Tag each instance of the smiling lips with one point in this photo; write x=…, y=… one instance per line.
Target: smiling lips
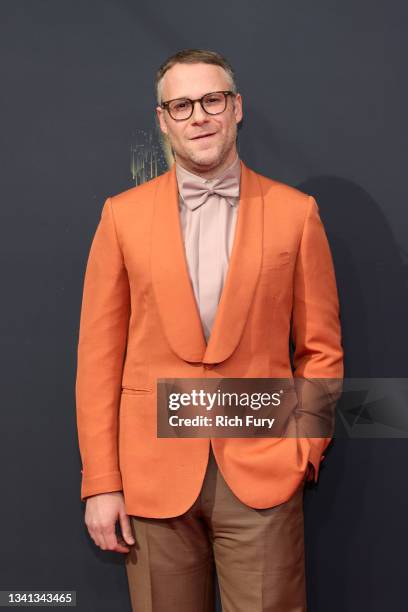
x=202, y=136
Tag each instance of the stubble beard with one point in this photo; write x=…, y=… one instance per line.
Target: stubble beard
x=201, y=159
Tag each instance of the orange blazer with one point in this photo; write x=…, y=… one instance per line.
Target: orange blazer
x=140, y=322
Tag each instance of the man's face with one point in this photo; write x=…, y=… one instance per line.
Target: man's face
x=215, y=151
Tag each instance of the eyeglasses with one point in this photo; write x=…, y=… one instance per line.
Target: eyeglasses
x=212, y=103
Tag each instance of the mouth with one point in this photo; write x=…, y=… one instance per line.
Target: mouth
x=203, y=136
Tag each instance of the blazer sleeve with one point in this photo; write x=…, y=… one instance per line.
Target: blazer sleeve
x=101, y=351
x=316, y=334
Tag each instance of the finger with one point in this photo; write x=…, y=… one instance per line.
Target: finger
x=120, y=544
x=126, y=528
x=112, y=542
x=96, y=537
x=100, y=533
x=110, y=536
x=121, y=547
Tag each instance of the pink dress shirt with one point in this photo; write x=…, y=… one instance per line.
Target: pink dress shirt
x=208, y=214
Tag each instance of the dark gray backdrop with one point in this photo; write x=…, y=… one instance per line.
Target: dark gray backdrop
x=325, y=109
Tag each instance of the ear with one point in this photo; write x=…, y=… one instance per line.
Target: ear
x=161, y=119
x=238, y=108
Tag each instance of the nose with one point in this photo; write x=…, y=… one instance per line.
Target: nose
x=199, y=115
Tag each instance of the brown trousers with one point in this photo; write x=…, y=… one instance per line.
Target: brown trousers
x=258, y=555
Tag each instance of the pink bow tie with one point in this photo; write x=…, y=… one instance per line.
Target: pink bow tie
x=195, y=194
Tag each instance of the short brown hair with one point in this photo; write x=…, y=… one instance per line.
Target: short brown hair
x=194, y=56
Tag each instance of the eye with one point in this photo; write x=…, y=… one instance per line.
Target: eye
x=180, y=105
x=213, y=99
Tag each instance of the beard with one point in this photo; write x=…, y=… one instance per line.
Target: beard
x=211, y=157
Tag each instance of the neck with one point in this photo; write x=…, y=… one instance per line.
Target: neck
x=207, y=172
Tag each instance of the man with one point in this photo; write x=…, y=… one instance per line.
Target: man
x=205, y=271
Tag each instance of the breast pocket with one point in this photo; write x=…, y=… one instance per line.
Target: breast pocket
x=276, y=260
x=276, y=275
